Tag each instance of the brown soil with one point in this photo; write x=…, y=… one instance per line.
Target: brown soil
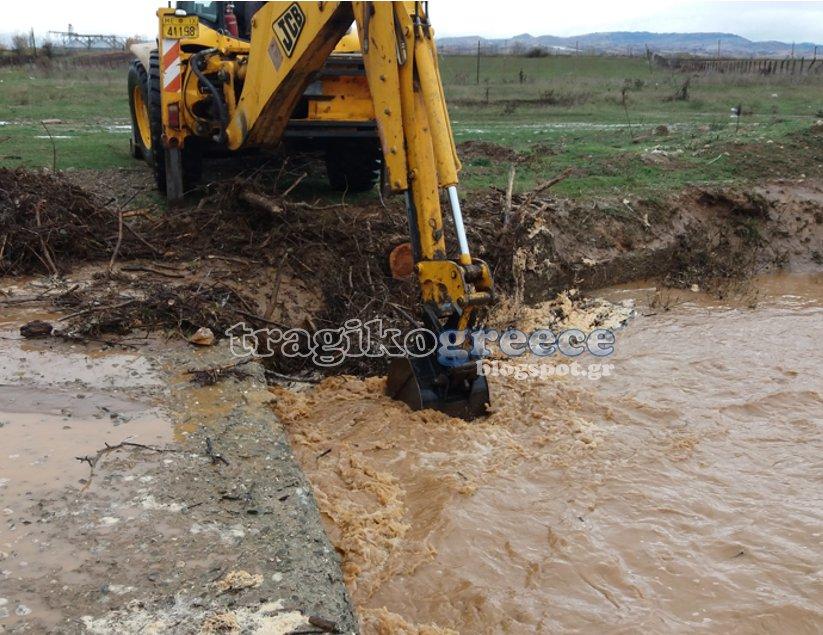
x=468, y=150
x=700, y=236
x=231, y=258
x=797, y=154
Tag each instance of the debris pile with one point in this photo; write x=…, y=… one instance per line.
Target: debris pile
x=342, y=250
x=151, y=306
x=162, y=272
x=47, y=223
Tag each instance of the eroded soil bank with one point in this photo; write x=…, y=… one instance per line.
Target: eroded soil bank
x=244, y=252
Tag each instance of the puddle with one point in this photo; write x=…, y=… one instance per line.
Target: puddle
x=56, y=406
x=118, y=129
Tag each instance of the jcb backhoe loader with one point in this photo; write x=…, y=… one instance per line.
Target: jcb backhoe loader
x=241, y=75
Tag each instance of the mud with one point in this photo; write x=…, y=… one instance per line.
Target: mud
x=677, y=493
x=136, y=501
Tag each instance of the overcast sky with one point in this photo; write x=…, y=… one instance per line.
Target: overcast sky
x=785, y=21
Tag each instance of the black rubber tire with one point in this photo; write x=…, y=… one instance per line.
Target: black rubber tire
x=192, y=155
x=138, y=77
x=156, y=121
x=353, y=165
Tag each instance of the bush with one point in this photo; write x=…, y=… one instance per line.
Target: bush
x=509, y=108
x=537, y=51
x=20, y=44
x=633, y=84
x=552, y=97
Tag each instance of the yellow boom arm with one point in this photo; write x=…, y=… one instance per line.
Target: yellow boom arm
x=290, y=42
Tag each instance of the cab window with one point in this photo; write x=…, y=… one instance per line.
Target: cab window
x=206, y=11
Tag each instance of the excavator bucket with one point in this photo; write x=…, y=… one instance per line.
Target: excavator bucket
x=424, y=383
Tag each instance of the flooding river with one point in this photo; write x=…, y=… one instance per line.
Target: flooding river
x=680, y=493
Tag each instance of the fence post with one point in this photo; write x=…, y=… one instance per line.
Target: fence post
x=477, y=80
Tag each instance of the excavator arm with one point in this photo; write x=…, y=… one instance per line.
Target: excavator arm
x=289, y=44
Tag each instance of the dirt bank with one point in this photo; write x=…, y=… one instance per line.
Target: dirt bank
x=700, y=236
x=136, y=501
x=246, y=253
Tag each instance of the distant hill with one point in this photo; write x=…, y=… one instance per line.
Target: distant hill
x=633, y=42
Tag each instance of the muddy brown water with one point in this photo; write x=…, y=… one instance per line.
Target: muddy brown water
x=680, y=493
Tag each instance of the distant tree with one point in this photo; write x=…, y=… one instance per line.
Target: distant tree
x=537, y=51
x=134, y=39
x=20, y=44
x=518, y=48
x=48, y=49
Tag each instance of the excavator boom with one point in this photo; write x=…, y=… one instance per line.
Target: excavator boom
x=289, y=44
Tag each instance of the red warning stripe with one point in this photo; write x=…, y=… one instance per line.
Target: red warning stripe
x=174, y=85
x=171, y=55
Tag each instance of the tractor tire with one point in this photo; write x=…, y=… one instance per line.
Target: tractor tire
x=156, y=122
x=353, y=166
x=138, y=86
x=192, y=163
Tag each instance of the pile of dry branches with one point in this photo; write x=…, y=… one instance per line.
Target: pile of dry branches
x=151, y=306
x=46, y=223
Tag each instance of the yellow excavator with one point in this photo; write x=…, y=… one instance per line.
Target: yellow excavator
x=357, y=79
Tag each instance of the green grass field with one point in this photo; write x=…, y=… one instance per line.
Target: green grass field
x=90, y=104
x=596, y=114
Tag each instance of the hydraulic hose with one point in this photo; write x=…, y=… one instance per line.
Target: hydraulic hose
x=218, y=97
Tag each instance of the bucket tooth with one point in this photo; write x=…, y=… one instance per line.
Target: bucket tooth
x=423, y=383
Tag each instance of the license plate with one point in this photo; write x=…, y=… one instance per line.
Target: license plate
x=176, y=27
